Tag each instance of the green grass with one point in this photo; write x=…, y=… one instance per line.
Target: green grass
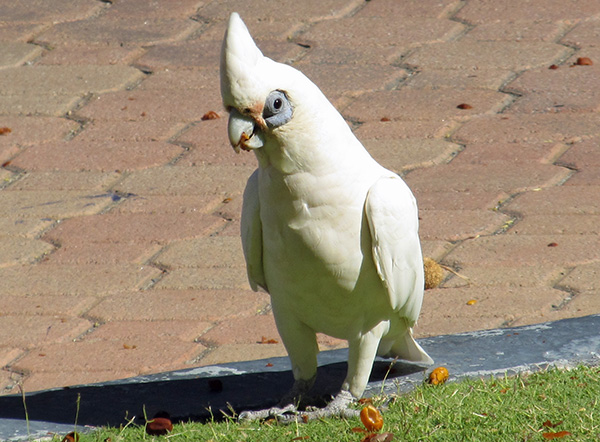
x=499, y=409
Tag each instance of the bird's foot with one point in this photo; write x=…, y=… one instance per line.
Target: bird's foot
x=338, y=407
x=279, y=413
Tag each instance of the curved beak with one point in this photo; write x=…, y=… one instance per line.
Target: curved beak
x=243, y=132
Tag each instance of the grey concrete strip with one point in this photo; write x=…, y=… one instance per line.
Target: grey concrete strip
x=199, y=392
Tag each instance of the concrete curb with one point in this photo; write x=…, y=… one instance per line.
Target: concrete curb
x=195, y=393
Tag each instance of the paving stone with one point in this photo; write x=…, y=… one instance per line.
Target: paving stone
x=208, y=144
x=66, y=180
x=248, y=330
x=470, y=55
x=126, y=30
x=206, y=53
x=241, y=352
x=29, y=331
x=584, y=34
x=28, y=228
x=581, y=155
x=495, y=176
x=153, y=10
x=161, y=105
x=80, y=280
x=409, y=10
x=557, y=200
x=41, y=380
x=484, y=78
x=522, y=250
x=535, y=128
x=516, y=11
x=416, y=104
x=436, y=250
x=136, y=331
x=563, y=224
x=583, y=278
x=40, y=10
x=351, y=79
x=523, y=30
x=169, y=204
x=517, y=153
x=18, y=251
x=21, y=31
x=31, y=105
x=7, y=355
x=557, y=90
x=103, y=253
x=454, y=225
x=38, y=305
x=180, y=305
x=73, y=53
x=495, y=307
x=454, y=200
x=143, y=356
x=212, y=251
x=27, y=131
x=104, y=156
x=409, y=153
x=209, y=179
x=590, y=176
x=131, y=228
x=581, y=305
x=67, y=80
x=146, y=131
x=403, y=129
x=262, y=10
x=204, y=278
x=17, y=53
x=51, y=204
x=375, y=39
x=514, y=276
x=171, y=78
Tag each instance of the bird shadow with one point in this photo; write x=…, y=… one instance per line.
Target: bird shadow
x=198, y=398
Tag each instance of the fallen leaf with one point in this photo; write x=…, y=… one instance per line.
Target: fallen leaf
x=438, y=376
x=210, y=115
x=226, y=200
x=584, y=61
x=5, y=130
x=558, y=435
x=549, y=424
x=269, y=364
x=553, y=66
x=264, y=340
x=472, y=301
x=371, y=418
x=464, y=106
x=159, y=426
x=71, y=437
x=385, y=119
x=129, y=347
x=553, y=244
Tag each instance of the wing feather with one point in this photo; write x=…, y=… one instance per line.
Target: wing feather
x=251, y=230
x=392, y=215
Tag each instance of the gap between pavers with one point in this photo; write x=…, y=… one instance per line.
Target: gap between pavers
x=197, y=393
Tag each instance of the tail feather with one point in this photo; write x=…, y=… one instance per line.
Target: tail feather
x=405, y=347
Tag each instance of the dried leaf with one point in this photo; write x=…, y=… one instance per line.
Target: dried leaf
x=159, y=426
x=71, y=437
x=464, y=106
x=472, y=301
x=371, y=418
x=5, y=130
x=210, y=115
x=264, y=340
x=553, y=66
x=438, y=376
x=385, y=119
x=553, y=244
x=557, y=435
x=584, y=61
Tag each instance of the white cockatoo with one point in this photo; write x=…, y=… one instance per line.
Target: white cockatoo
x=329, y=233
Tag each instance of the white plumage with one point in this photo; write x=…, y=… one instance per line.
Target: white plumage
x=327, y=231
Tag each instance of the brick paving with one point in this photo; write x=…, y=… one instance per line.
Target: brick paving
x=120, y=204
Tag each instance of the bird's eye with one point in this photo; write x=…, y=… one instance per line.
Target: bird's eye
x=278, y=109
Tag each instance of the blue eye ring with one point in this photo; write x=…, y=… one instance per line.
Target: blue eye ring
x=277, y=109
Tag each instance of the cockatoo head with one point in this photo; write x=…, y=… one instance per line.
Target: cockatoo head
x=272, y=106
